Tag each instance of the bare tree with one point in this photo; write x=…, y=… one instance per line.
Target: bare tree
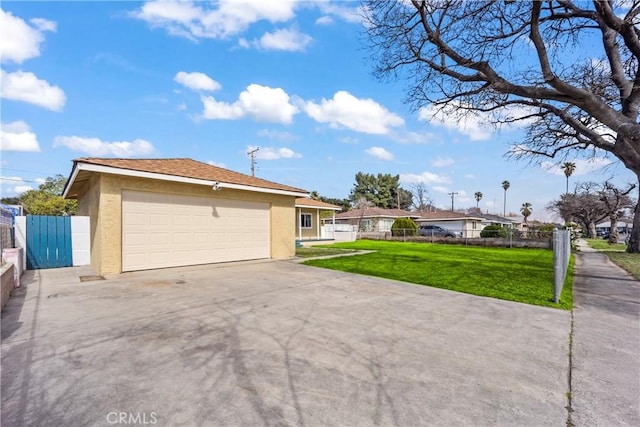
x=584, y=206
x=421, y=200
x=514, y=61
x=615, y=200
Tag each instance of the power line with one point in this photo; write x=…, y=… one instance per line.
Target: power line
x=23, y=170
x=19, y=180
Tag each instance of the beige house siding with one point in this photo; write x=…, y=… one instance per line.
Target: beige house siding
x=307, y=233
x=103, y=202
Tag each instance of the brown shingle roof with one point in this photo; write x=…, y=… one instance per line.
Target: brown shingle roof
x=445, y=215
x=305, y=201
x=376, y=212
x=188, y=168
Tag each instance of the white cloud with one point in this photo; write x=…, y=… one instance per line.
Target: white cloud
x=583, y=166
x=227, y=18
x=440, y=189
x=20, y=41
x=348, y=140
x=440, y=162
x=283, y=39
x=379, y=153
x=97, y=147
x=348, y=14
x=17, y=136
x=361, y=115
x=218, y=164
x=470, y=176
x=196, y=81
x=276, y=135
x=425, y=177
x=273, y=153
x=473, y=125
x=263, y=103
x=26, y=87
x=478, y=126
x=410, y=137
x=324, y=20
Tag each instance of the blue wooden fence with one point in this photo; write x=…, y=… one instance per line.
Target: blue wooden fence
x=48, y=242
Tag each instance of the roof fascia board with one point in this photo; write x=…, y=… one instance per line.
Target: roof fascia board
x=259, y=189
x=318, y=207
x=70, y=181
x=183, y=179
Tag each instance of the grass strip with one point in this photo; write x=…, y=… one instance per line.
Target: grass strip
x=516, y=274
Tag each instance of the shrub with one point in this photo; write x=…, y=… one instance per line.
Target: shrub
x=494, y=230
x=404, y=227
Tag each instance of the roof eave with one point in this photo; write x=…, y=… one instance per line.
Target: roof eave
x=216, y=185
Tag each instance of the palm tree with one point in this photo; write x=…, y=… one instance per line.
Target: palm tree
x=505, y=185
x=478, y=196
x=526, y=209
x=569, y=168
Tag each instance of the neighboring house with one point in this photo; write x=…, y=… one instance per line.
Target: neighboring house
x=624, y=226
x=373, y=219
x=309, y=218
x=469, y=225
x=156, y=213
x=488, y=219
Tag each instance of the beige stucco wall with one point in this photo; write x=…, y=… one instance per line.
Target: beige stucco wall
x=103, y=202
x=307, y=233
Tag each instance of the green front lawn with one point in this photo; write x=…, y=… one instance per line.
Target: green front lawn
x=602, y=245
x=523, y=275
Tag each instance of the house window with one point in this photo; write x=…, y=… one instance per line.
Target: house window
x=365, y=225
x=385, y=224
x=474, y=225
x=305, y=220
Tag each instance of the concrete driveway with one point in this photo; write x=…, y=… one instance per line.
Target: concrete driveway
x=275, y=343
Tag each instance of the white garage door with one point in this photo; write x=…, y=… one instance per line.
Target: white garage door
x=168, y=230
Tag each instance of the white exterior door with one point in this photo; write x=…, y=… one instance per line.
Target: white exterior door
x=169, y=230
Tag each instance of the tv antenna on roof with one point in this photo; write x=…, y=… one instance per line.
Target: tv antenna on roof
x=252, y=154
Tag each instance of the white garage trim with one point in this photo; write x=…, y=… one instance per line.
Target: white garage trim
x=169, y=230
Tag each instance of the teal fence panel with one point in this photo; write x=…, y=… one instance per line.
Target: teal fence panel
x=48, y=242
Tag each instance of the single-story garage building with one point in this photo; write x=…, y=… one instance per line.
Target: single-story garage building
x=156, y=213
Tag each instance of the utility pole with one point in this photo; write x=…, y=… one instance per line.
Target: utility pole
x=452, y=194
x=252, y=154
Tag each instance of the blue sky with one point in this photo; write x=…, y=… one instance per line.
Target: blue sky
x=211, y=81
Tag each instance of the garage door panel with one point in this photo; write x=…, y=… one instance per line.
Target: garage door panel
x=167, y=230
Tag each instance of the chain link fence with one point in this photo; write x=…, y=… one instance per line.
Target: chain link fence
x=510, y=238
x=561, y=256
x=7, y=230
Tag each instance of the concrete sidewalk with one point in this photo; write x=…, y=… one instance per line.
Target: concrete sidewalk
x=606, y=343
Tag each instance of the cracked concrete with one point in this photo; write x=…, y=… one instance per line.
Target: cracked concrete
x=275, y=343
